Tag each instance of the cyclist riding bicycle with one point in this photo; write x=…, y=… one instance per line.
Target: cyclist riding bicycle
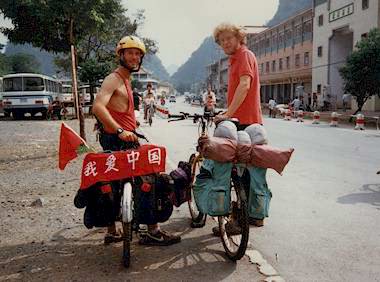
x=149, y=104
x=114, y=109
x=148, y=93
x=209, y=100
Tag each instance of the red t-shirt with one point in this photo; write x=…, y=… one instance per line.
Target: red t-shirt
x=243, y=62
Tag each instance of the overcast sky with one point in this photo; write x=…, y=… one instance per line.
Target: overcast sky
x=180, y=26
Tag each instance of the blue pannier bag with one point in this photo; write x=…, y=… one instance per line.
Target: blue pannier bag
x=212, y=188
x=259, y=194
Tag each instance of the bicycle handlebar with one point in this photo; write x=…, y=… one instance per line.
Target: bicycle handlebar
x=184, y=115
x=141, y=136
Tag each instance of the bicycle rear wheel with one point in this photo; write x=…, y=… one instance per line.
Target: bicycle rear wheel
x=235, y=245
x=150, y=119
x=198, y=218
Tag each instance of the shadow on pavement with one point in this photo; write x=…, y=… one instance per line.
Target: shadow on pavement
x=77, y=254
x=370, y=196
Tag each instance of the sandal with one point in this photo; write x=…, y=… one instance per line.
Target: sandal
x=113, y=237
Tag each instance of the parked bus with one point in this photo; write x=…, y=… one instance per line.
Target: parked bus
x=67, y=96
x=29, y=93
x=85, y=96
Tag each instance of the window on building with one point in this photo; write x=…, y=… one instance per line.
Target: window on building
x=280, y=64
x=297, y=60
x=365, y=4
x=288, y=37
x=261, y=67
x=274, y=41
x=318, y=88
x=320, y=51
x=306, y=59
x=288, y=62
x=297, y=33
x=273, y=66
x=320, y=20
x=307, y=30
x=267, y=67
x=364, y=35
x=281, y=40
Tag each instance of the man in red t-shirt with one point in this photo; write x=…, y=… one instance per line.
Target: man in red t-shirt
x=243, y=96
x=243, y=81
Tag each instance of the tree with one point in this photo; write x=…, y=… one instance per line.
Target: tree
x=100, y=43
x=58, y=26
x=91, y=71
x=4, y=64
x=361, y=73
x=21, y=62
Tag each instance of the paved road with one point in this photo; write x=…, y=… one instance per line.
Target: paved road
x=325, y=213
x=323, y=223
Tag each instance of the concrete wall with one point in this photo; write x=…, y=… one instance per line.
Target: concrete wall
x=360, y=22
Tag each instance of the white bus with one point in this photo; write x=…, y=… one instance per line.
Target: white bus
x=84, y=93
x=29, y=93
x=67, y=96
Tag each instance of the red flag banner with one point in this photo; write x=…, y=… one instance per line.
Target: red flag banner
x=69, y=145
x=101, y=167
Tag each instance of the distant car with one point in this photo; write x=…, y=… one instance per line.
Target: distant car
x=172, y=99
x=197, y=100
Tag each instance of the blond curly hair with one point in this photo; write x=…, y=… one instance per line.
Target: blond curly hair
x=236, y=30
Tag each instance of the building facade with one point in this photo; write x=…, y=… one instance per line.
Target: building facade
x=145, y=77
x=284, y=56
x=338, y=26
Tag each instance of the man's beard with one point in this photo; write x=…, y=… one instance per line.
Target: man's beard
x=129, y=68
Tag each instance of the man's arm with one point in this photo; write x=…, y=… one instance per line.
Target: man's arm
x=109, y=85
x=240, y=94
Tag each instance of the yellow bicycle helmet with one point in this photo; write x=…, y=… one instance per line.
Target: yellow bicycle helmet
x=130, y=42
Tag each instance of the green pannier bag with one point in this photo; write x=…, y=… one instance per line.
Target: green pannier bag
x=212, y=188
x=259, y=194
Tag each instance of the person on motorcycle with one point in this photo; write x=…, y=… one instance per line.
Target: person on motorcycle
x=114, y=108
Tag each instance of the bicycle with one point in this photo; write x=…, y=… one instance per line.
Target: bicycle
x=127, y=212
x=149, y=114
x=234, y=245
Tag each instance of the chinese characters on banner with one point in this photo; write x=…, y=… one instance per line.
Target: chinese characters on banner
x=145, y=160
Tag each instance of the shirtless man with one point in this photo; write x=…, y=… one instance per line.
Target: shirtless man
x=114, y=109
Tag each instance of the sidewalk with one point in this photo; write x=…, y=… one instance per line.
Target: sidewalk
x=371, y=118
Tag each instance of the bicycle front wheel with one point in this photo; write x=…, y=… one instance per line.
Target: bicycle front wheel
x=198, y=218
x=126, y=219
x=127, y=232
x=234, y=228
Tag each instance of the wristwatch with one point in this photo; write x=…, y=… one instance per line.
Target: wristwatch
x=119, y=131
